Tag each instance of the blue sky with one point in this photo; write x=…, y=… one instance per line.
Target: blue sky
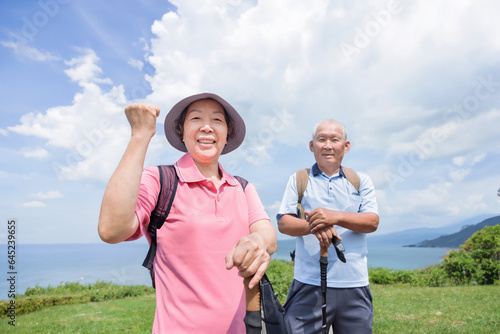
x=417, y=85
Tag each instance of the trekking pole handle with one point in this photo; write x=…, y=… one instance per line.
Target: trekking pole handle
x=323, y=251
x=252, y=295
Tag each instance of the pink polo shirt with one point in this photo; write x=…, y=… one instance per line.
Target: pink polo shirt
x=195, y=293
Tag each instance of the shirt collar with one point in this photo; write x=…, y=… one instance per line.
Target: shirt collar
x=316, y=171
x=188, y=172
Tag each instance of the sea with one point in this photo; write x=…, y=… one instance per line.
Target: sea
x=54, y=264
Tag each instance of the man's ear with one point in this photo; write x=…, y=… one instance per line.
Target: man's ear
x=347, y=146
x=311, y=146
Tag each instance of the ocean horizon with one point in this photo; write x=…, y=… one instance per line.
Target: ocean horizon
x=53, y=264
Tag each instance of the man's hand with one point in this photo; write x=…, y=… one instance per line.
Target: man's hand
x=249, y=255
x=321, y=224
x=321, y=218
x=325, y=236
x=142, y=118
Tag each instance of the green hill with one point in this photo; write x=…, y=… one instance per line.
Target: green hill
x=456, y=239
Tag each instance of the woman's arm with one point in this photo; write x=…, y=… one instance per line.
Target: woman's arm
x=117, y=219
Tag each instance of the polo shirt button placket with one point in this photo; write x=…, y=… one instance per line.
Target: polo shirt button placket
x=330, y=187
x=217, y=203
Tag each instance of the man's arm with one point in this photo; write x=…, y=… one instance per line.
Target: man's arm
x=117, y=219
x=252, y=253
x=361, y=222
x=291, y=225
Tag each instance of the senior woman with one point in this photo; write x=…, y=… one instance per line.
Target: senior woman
x=216, y=232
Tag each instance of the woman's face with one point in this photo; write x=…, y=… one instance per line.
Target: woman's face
x=205, y=131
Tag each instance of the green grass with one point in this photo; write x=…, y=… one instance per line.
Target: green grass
x=419, y=301
x=459, y=309
x=128, y=315
x=398, y=309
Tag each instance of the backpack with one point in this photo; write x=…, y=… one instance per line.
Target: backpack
x=271, y=310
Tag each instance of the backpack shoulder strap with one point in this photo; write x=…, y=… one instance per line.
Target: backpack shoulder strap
x=242, y=181
x=352, y=177
x=302, y=178
x=168, y=186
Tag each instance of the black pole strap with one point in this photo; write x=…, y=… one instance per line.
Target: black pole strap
x=324, y=266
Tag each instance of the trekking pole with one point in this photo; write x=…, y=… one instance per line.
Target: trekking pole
x=323, y=261
x=253, y=319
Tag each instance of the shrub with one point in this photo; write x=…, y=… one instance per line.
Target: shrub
x=433, y=276
x=381, y=276
x=280, y=273
x=477, y=260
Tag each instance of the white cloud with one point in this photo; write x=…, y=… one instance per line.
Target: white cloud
x=4, y=132
x=459, y=174
x=34, y=204
x=378, y=175
x=448, y=139
x=478, y=158
x=93, y=130
x=22, y=49
x=397, y=101
x=423, y=201
x=263, y=62
x=136, y=63
x=37, y=153
x=472, y=203
x=48, y=195
x=421, y=87
x=84, y=69
x=459, y=161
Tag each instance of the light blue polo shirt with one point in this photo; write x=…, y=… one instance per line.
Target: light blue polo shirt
x=333, y=193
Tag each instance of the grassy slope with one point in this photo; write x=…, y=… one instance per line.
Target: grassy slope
x=464, y=309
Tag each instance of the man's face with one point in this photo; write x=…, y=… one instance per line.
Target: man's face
x=329, y=145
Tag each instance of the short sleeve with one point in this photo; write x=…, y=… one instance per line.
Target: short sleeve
x=146, y=202
x=367, y=192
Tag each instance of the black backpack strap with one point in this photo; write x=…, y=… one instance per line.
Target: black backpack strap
x=242, y=181
x=168, y=187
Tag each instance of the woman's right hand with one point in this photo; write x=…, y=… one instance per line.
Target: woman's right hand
x=142, y=118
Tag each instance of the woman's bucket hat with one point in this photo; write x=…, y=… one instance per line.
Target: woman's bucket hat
x=237, y=122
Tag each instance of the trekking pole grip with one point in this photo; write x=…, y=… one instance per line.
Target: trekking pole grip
x=252, y=295
x=323, y=251
x=253, y=319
